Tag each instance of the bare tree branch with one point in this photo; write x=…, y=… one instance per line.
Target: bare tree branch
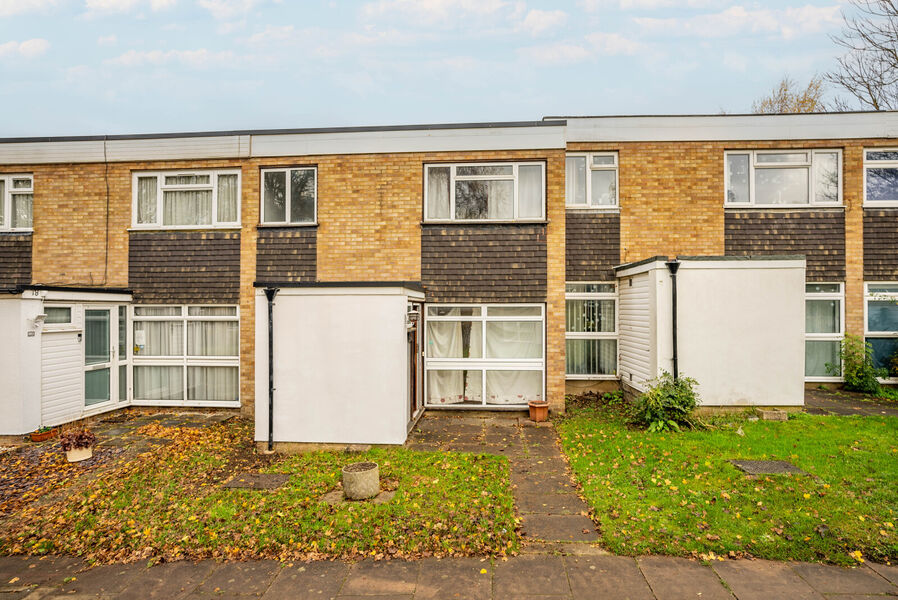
x=786, y=97
x=868, y=70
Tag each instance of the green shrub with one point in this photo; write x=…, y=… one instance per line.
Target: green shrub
x=857, y=366
x=667, y=404
x=888, y=393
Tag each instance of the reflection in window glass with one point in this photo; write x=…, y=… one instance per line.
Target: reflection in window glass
x=781, y=186
x=826, y=177
x=737, y=177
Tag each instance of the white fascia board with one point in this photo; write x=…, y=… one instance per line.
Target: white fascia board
x=25, y=153
x=350, y=290
x=641, y=268
x=224, y=146
x=433, y=140
x=733, y=127
x=65, y=296
x=774, y=263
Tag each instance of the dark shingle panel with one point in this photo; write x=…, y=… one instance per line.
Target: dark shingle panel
x=287, y=254
x=15, y=259
x=881, y=244
x=592, y=246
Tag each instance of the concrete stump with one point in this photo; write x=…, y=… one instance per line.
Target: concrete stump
x=361, y=480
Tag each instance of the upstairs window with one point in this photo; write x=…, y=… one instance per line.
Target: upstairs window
x=590, y=180
x=16, y=199
x=186, y=199
x=289, y=196
x=881, y=177
x=775, y=178
x=485, y=192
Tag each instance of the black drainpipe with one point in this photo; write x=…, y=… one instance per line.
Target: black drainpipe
x=270, y=293
x=673, y=266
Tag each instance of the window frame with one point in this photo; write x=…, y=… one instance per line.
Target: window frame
x=809, y=165
x=589, y=335
x=483, y=364
x=184, y=360
x=826, y=337
x=161, y=188
x=890, y=296
x=8, y=193
x=885, y=164
x=589, y=169
x=288, y=199
x=453, y=167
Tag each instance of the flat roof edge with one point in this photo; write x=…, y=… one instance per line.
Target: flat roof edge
x=411, y=285
x=65, y=288
x=296, y=131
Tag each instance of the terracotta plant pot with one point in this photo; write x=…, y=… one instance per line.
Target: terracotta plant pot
x=44, y=435
x=539, y=410
x=361, y=480
x=79, y=454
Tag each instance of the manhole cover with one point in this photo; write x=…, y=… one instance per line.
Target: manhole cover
x=766, y=467
x=257, y=481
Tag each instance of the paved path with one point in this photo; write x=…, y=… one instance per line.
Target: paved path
x=838, y=402
x=561, y=558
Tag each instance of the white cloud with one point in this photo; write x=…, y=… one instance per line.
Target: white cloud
x=271, y=34
x=595, y=5
x=107, y=40
x=228, y=27
x=101, y=7
x=9, y=8
x=614, y=43
x=786, y=23
x=735, y=62
x=162, y=4
x=538, y=21
x=435, y=12
x=560, y=53
x=28, y=49
x=228, y=9
x=199, y=59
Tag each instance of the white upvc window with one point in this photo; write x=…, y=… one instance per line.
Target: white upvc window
x=881, y=325
x=289, y=196
x=186, y=199
x=824, y=317
x=590, y=330
x=185, y=355
x=591, y=180
x=484, y=354
x=880, y=177
x=16, y=202
x=783, y=178
x=485, y=192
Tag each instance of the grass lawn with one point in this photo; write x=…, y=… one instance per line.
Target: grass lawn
x=664, y=493
x=169, y=504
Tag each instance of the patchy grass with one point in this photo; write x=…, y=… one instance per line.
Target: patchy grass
x=169, y=505
x=675, y=493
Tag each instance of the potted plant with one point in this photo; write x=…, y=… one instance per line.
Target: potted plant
x=539, y=410
x=78, y=444
x=43, y=434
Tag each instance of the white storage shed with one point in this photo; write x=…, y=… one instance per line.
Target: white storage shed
x=739, y=326
x=346, y=362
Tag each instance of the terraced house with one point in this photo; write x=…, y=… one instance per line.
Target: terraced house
x=335, y=283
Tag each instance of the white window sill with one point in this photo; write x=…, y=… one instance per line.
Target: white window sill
x=285, y=225
x=591, y=377
x=540, y=221
x=885, y=204
x=823, y=380
x=782, y=206
x=475, y=406
x=182, y=403
x=17, y=230
x=583, y=208
x=189, y=228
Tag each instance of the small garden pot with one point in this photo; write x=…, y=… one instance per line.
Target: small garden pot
x=539, y=410
x=42, y=436
x=79, y=454
x=361, y=480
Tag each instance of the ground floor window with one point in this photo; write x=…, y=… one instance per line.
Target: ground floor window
x=591, y=330
x=881, y=325
x=186, y=354
x=824, y=317
x=484, y=354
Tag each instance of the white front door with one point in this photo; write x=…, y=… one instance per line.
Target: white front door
x=101, y=373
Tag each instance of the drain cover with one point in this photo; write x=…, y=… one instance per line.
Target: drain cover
x=766, y=467
x=257, y=481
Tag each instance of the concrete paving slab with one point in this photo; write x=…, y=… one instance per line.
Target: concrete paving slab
x=169, y=580
x=539, y=465
x=451, y=578
x=370, y=577
x=828, y=579
x=546, y=483
x=558, y=528
x=32, y=570
x=673, y=578
x=888, y=572
x=107, y=579
x=253, y=577
x=764, y=579
x=537, y=575
x=555, y=504
x=607, y=577
x=379, y=597
x=321, y=580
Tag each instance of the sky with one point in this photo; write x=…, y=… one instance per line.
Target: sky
x=88, y=67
